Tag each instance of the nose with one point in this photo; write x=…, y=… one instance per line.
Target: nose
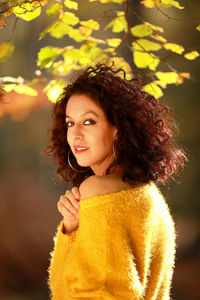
x=75, y=132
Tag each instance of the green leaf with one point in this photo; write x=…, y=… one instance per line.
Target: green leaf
x=24, y=89
x=6, y=49
x=143, y=60
x=69, y=18
x=119, y=23
x=27, y=11
x=71, y=4
x=167, y=77
x=146, y=45
x=53, y=9
x=47, y=54
x=153, y=89
x=57, y=30
x=141, y=30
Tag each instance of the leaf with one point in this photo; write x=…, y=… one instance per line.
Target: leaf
x=167, y=77
x=6, y=49
x=27, y=11
x=8, y=87
x=120, y=63
x=2, y=23
x=69, y=18
x=85, y=31
x=91, y=24
x=174, y=47
x=113, y=42
x=53, y=9
x=47, y=54
x=198, y=27
x=153, y=89
x=57, y=30
x=146, y=45
x=158, y=38
x=181, y=77
x=24, y=89
x=71, y=4
x=76, y=35
x=154, y=27
x=119, y=23
x=107, y=1
x=143, y=60
x=165, y=3
x=141, y=30
x=54, y=89
x=191, y=55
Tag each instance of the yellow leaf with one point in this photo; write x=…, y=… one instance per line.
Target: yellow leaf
x=119, y=62
x=141, y=30
x=157, y=28
x=69, y=18
x=8, y=87
x=191, y=55
x=85, y=31
x=181, y=77
x=113, y=42
x=149, y=3
x=71, y=4
x=54, y=90
x=24, y=89
x=174, y=47
x=158, y=38
x=143, y=60
x=6, y=49
x=198, y=27
x=167, y=77
x=153, y=89
x=27, y=11
x=161, y=83
x=119, y=23
x=91, y=24
x=146, y=45
x=55, y=7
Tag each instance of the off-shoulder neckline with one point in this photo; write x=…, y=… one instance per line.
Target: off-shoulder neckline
x=91, y=200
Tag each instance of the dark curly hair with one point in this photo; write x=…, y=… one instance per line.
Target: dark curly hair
x=145, y=144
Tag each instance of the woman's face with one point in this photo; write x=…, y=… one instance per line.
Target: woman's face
x=88, y=127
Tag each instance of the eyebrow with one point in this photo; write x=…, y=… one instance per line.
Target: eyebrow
x=90, y=111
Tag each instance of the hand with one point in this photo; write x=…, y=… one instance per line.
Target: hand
x=68, y=205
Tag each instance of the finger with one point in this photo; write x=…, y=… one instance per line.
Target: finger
x=72, y=199
x=70, y=204
x=75, y=191
x=65, y=211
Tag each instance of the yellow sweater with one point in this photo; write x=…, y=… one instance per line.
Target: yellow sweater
x=124, y=248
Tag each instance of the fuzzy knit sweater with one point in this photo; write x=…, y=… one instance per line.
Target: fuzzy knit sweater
x=124, y=248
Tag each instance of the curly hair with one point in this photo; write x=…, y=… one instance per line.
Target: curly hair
x=144, y=146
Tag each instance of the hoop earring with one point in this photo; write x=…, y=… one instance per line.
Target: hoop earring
x=114, y=152
x=73, y=167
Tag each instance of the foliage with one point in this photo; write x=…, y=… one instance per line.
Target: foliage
x=145, y=41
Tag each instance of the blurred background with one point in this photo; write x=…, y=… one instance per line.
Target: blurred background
x=29, y=186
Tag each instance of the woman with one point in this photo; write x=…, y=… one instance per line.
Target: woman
x=113, y=143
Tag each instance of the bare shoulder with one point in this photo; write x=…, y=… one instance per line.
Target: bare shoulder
x=100, y=185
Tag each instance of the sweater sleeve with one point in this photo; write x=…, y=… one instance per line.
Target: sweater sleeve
x=152, y=239
x=62, y=244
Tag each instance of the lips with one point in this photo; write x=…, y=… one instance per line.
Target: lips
x=79, y=148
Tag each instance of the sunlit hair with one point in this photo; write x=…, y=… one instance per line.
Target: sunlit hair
x=145, y=144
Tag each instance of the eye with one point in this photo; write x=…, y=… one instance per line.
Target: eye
x=90, y=122
x=68, y=124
